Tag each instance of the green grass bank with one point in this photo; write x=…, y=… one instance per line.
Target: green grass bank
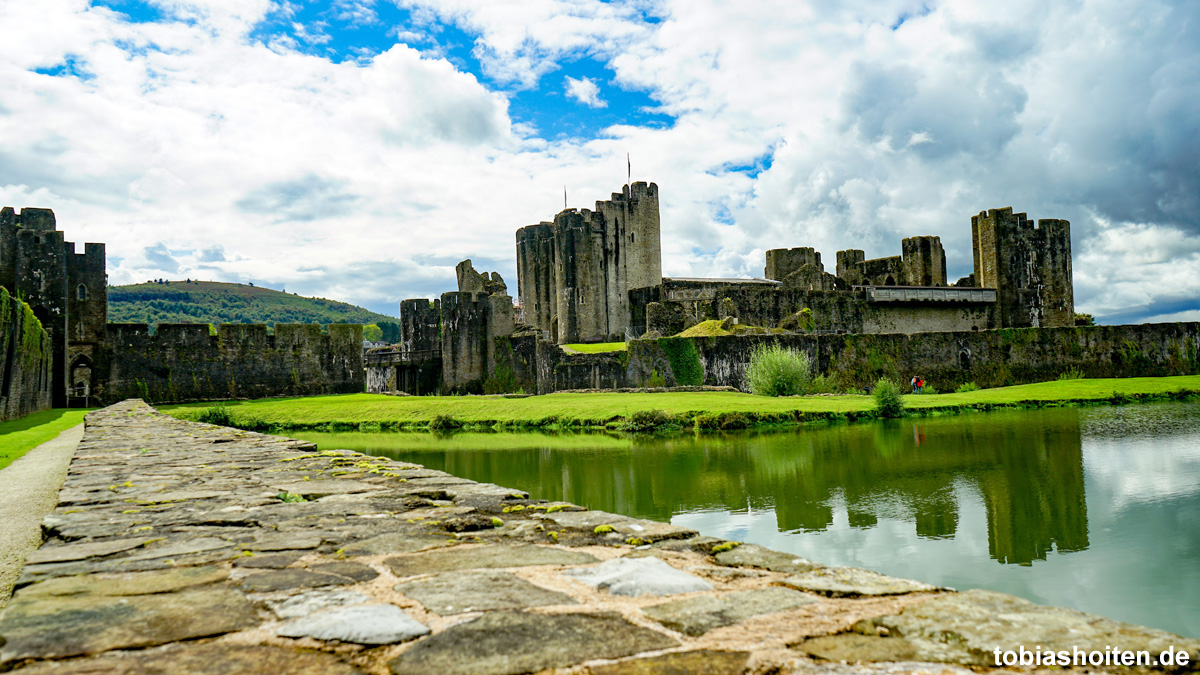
x=375, y=412
x=18, y=437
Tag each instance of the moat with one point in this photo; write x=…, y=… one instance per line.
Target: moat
x=1092, y=508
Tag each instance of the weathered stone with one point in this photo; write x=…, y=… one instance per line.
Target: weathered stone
x=457, y=592
x=639, y=576
x=399, y=542
x=307, y=602
x=49, y=554
x=361, y=624
x=204, y=659
x=131, y=583
x=274, y=561
x=751, y=555
x=840, y=582
x=857, y=648
x=350, y=570
x=965, y=628
x=505, y=641
x=41, y=626
x=281, y=580
x=179, y=548
x=284, y=541
x=699, y=662
x=696, y=616
x=315, y=489
x=484, y=557
x=646, y=531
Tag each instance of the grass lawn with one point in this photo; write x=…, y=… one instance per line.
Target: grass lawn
x=18, y=437
x=597, y=347
x=370, y=411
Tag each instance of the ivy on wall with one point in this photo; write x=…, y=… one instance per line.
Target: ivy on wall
x=685, y=360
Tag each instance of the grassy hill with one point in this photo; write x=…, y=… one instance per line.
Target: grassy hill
x=215, y=302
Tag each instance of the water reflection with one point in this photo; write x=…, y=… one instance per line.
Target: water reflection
x=1029, y=477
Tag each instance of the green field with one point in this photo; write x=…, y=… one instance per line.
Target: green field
x=596, y=347
x=374, y=411
x=18, y=437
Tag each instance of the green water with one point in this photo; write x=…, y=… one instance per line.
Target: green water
x=1092, y=508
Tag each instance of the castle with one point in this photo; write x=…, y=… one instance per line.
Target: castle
x=596, y=276
x=94, y=363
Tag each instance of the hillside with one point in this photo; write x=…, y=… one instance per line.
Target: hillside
x=215, y=302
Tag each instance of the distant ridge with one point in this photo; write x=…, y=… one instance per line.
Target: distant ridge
x=217, y=302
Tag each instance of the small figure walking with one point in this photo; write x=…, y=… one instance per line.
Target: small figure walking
x=914, y=383
x=920, y=383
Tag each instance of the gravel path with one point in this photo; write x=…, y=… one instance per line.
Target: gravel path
x=30, y=488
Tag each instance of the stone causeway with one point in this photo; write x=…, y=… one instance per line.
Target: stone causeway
x=180, y=548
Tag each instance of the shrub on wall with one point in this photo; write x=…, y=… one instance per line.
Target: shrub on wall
x=888, y=402
x=775, y=370
x=685, y=360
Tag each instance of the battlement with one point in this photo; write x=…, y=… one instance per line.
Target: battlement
x=1029, y=264
x=29, y=218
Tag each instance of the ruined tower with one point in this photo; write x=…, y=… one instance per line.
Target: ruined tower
x=67, y=291
x=1028, y=265
x=574, y=274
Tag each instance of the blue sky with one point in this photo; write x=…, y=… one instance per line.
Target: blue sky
x=357, y=149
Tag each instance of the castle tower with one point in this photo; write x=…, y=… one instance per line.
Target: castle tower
x=574, y=275
x=67, y=291
x=1028, y=265
x=924, y=261
x=783, y=261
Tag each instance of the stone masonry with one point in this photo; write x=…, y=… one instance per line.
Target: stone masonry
x=179, y=547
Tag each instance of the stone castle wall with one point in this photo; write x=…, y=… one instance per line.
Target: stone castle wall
x=989, y=358
x=1028, y=265
x=183, y=362
x=574, y=274
x=25, y=360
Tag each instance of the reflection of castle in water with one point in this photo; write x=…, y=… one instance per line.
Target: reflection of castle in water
x=1030, y=479
x=1027, y=469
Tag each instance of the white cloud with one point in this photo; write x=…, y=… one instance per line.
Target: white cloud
x=584, y=90
x=873, y=120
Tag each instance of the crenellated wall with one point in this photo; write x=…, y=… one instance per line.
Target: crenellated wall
x=184, y=362
x=26, y=360
x=574, y=275
x=990, y=358
x=1028, y=265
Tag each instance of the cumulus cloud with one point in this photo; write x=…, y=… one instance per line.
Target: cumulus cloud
x=864, y=122
x=584, y=90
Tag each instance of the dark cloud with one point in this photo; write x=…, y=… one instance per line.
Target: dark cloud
x=302, y=199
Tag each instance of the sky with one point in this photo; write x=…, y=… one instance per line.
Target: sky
x=358, y=149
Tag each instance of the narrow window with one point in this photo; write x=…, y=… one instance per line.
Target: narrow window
x=81, y=292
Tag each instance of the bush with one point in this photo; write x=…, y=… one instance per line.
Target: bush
x=777, y=371
x=216, y=414
x=444, y=423
x=726, y=421
x=655, y=381
x=966, y=387
x=888, y=402
x=649, y=420
x=1072, y=373
x=927, y=389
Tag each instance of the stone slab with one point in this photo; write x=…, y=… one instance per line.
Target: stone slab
x=285, y=579
x=507, y=642
x=350, y=570
x=696, y=616
x=484, y=557
x=843, y=582
x=204, y=659
x=130, y=583
x=179, y=548
x=625, y=527
x=307, y=602
x=93, y=549
x=752, y=555
x=273, y=561
x=399, y=542
x=697, y=662
x=458, y=592
x=315, y=489
x=284, y=541
x=42, y=626
x=362, y=624
x=639, y=576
